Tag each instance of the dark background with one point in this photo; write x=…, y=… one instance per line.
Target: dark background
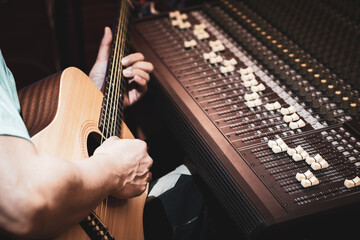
x=41, y=37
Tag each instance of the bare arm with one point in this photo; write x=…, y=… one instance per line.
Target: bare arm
x=41, y=195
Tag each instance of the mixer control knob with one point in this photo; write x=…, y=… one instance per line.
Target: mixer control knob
x=353, y=109
x=308, y=97
x=323, y=110
x=306, y=175
x=338, y=96
x=295, y=86
x=323, y=85
x=345, y=103
x=315, y=103
x=330, y=90
x=319, y=165
x=302, y=91
x=309, y=182
x=329, y=116
x=352, y=182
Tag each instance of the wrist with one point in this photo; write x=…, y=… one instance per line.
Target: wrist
x=96, y=174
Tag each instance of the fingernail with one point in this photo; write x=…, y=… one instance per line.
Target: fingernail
x=125, y=61
x=127, y=71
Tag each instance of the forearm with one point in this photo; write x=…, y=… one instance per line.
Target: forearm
x=44, y=194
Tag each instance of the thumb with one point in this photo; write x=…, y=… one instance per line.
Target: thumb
x=103, y=53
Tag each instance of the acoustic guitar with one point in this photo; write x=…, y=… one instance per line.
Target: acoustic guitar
x=67, y=115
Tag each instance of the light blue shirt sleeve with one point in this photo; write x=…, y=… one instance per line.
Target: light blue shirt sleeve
x=11, y=122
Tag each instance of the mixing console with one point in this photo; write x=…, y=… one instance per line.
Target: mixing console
x=264, y=97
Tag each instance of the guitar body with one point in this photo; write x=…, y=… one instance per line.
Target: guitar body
x=60, y=119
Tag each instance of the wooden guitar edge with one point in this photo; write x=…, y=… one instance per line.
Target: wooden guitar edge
x=39, y=103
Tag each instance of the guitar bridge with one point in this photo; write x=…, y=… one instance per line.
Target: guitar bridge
x=95, y=228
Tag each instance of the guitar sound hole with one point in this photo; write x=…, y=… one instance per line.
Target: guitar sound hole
x=93, y=141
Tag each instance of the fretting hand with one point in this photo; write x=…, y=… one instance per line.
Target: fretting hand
x=137, y=70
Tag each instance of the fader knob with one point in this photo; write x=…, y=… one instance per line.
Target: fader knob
x=330, y=116
x=315, y=103
x=308, y=97
x=323, y=111
x=323, y=85
x=330, y=90
x=317, y=79
x=345, y=103
x=295, y=86
x=338, y=96
x=302, y=91
x=353, y=109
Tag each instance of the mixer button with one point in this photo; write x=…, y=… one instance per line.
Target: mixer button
x=357, y=164
x=329, y=138
x=319, y=165
x=356, y=152
x=209, y=55
x=292, y=151
x=189, y=44
x=269, y=106
x=251, y=96
x=324, y=134
x=200, y=26
x=184, y=25
x=340, y=148
x=273, y=143
x=231, y=61
x=174, y=14
x=300, y=156
x=306, y=175
x=291, y=118
x=296, y=125
x=281, y=148
x=309, y=182
x=352, y=182
x=258, y=88
x=352, y=159
x=203, y=35
x=247, y=77
x=277, y=105
x=288, y=110
x=218, y=48
x=175, y=23
x=346, y=154
x=246, y=71
x=216, y=59
x=251, y=83
x=254, y=103
x=227, y=69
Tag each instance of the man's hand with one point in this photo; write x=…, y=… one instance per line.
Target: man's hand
x=137, y=70
x=128, y=161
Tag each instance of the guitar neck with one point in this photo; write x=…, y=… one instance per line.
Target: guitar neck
x=114, y=86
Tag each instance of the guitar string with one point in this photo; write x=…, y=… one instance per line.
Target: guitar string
x=109, y=92
x=118, y=70
x=120, y=88
x=105, y=130
x=117, y=77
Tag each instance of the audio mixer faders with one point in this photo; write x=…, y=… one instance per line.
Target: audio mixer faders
x=266, y=108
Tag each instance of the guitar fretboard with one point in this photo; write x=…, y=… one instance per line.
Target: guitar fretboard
x=114, y=88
